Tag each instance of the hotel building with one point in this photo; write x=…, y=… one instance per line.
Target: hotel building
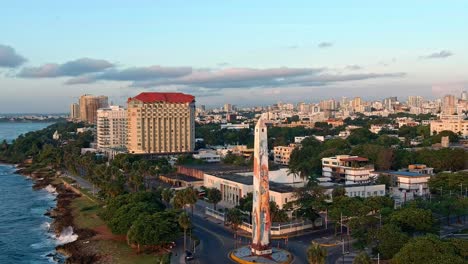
x=161, y=123
x=112, y=127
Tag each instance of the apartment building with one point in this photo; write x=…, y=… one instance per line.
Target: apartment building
x=74, y=112
x=347, y=169
x=454, y=123
x=89, y=104
x=161, y=123
x=282, y=154
x=111, y=127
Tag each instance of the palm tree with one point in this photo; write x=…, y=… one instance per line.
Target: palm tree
x=190, y=197
x=184, y=222
x=316, y=254
x=167, y=195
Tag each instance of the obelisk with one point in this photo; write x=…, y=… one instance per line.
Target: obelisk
x=261, y=198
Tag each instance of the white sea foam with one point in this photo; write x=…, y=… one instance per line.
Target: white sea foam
x=67, y=236
x=51, y=189
x=45, y=226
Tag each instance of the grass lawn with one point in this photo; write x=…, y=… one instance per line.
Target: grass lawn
x=85, y=213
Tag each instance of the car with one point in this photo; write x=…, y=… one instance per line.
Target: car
x=189, y=255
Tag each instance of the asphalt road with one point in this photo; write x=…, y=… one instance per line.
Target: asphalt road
x=217, y=242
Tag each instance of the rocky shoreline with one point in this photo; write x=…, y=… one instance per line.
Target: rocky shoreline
x=75, y=251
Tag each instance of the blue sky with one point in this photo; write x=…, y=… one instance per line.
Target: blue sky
x=242, y=52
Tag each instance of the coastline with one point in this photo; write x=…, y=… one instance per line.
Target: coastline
x=73, y=250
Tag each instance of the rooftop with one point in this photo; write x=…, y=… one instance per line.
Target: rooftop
x=248, y=180
x=406, y=173
x=182, y=177
x=217, y=168
x=355, y=159
x=151, y=97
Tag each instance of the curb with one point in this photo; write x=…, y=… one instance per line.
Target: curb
x=241, y=261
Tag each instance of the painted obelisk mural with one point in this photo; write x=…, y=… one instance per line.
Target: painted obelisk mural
x=261, y=199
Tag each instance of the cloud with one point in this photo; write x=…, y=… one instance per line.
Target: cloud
x=254, y=78
x=72, y=68
x=438, y=55
x=353, y=67
x=9, y=58
x=134, y=74
x=323, y=45
x=235, y=77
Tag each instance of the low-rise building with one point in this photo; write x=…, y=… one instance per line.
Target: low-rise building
x=282, y=154
x=358, y=190
x=207, y=156
x=348, y=169
x=406, y=184
x=234, y=126
x=454, y=123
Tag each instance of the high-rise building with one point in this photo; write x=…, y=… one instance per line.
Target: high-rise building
x=464, y=95
x=449, y=105
x=228, y=108
x=74, y=112
x=112, y=127
x=415, y=101
x=161, y=123
x=89, y=104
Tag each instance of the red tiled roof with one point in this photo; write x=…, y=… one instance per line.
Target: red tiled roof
x=355, y=159
x=151, y=97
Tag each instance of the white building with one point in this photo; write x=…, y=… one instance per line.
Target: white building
x=111, y=127
x=234, y=126
x=347, y=169
x=359, y=190
x=207, y=156
x=235, y=186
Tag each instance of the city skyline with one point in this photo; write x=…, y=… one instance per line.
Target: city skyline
x=226, y=53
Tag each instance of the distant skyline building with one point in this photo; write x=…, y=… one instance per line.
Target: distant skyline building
x=74, y=112
x=415, y=101
x=449, y=106
x=112, y=127
x=161, y=123
x=89, y=104
x=464, y=95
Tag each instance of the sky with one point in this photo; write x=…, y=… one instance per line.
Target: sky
x=240, y=52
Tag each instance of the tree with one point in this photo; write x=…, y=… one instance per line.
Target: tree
x=214, y=196
x=186, y=196
x=276, y=214
x=310, y=201
x=154, y=230
x=362, y=258
x=184, y=223
x=316, y=254
x=428, y=249
x=234, y=218
x=413, y=219
x=390, y=240
x=167, y=195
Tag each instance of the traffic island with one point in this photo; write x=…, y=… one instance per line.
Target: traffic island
x=244, y=255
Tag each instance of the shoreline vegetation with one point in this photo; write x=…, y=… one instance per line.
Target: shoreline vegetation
x=87, y=230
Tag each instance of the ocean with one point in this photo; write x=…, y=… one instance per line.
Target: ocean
x=10, y=131
x=24, y=230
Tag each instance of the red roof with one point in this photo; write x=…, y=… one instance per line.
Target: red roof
x=355, y=159
x=164, y=97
